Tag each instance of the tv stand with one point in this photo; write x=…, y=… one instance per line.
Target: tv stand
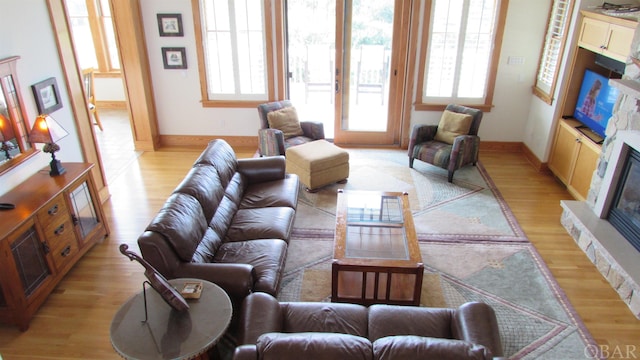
x=592, y=135
x=575, y=155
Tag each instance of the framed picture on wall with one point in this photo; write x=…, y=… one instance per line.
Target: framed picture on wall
x=47, y=96
x=174, y=57
x=170, y=25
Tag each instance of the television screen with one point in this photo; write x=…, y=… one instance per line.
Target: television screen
x=595, y=102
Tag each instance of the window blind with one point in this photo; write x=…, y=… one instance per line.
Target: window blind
x=553, y=46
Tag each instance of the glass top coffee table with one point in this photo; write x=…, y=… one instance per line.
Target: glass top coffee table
x=376, y=257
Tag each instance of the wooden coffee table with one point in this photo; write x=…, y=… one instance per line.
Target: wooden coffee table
x=376, y=257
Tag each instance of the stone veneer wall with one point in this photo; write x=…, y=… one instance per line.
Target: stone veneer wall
x=626, y=116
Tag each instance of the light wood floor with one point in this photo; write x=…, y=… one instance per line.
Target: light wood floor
x=74, y=322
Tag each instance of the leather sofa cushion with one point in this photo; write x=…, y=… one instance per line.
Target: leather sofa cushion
x=263, y=223
x=182, y=222
x=208, y=247
x=317, y=346
x=408, y=347
x=203, y=183
x=267, y=257
x=220, y=155
x=272, y=193
x=387, y=320
x=324, y=317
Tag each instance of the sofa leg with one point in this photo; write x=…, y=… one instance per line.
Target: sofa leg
x=450, y=176
x=411, y=163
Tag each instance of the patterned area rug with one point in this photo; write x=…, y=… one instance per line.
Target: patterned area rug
x=472, y=247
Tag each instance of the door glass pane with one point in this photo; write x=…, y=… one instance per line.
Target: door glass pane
x=311, y=65
x=30, y=262
x=366, y=107
x=83, y=209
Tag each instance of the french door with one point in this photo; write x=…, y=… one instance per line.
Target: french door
x=343, y=57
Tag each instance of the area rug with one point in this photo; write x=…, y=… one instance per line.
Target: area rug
x=469, y=208
x=472, y=247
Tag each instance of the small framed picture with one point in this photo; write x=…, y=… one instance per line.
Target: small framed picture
x=174, y=58
x=170, y=24
x=47, y=96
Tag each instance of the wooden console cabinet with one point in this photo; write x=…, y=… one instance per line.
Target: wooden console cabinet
x=55, y=222
x=574, y=158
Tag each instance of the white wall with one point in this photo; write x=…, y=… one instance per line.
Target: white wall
x=27, y=33
x=523, y=37
x=177, y=92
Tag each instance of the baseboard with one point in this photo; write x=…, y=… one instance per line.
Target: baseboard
x=501, y=146
x=516, y=147
x=191, y=141
x=540, y=166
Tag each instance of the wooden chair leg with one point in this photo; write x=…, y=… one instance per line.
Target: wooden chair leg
x=98, y=122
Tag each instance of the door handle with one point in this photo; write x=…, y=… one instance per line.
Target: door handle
x=337, y=87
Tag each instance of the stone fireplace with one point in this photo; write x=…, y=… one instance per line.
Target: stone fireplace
x=614, y=256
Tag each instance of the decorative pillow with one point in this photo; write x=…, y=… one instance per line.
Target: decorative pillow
x=451, y=125
x=285, y=120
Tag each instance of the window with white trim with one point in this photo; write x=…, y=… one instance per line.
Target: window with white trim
x=234, y=38
x=553, y=49
x=460, y=50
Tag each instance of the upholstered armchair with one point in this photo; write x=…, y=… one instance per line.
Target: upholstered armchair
x=451, y=144
x=274, y=141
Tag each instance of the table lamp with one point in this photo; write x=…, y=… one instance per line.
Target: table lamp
x=46, y=130
x=6, y=134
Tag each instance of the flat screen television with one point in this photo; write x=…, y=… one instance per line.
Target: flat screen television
x=595, y=102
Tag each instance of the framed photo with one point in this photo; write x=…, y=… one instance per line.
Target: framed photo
x=174, y=58
x=47, y=96
x=170, y=24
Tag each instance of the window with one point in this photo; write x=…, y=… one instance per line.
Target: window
x=553, y=50
x=460, y=50
x=93, y=34
x=232, y=47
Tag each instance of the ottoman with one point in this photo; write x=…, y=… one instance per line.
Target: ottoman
x=318, y=163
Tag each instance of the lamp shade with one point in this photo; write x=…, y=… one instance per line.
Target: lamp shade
x=46, y=130
x=6, y=130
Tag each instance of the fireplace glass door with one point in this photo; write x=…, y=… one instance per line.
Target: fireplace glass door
x=625, y=212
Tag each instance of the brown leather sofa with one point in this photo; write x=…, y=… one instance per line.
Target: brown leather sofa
x=313, y=330
x=228, y=222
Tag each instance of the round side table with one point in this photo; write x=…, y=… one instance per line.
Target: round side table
x=167, y=333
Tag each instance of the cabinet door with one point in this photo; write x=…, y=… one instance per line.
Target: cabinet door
x=619, y=42
x=84, y=210
x=586, y=163
x=562, y=157
x=593, y=34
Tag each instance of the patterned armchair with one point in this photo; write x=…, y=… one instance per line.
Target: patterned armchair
x=272, y=141
x=463, y=151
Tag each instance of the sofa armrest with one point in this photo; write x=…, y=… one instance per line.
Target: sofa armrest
x=312, y=129
x=245, y=352
x=421, y=133
x=261, y=313
x=262, y=169
x=476, y=323
x=270, y=142
x=236, y=279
